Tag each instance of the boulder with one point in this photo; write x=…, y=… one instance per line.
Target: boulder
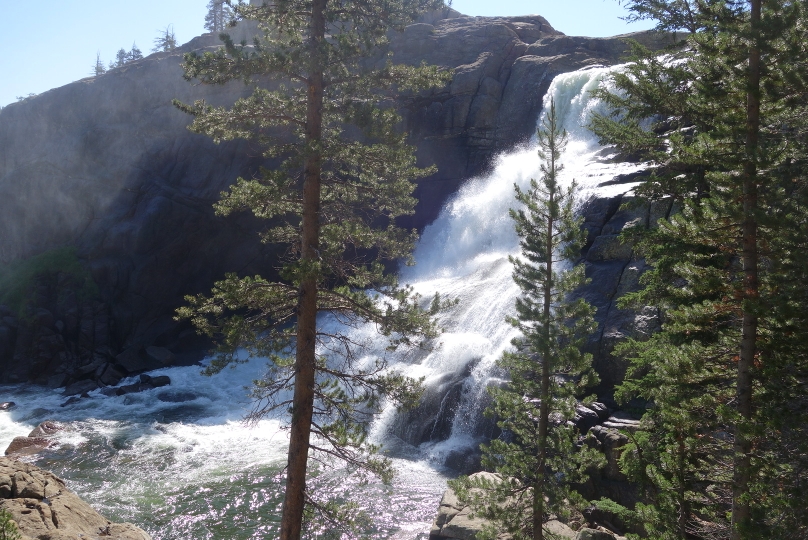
x=46, y=429
x=558, y=530
x=169, y=396
x=160, y=380
x=39, y=439
x=28, y=445
x=161, y=355
x=80, y=387
x=44, y=508
x=594, y=534
x=454, y=520
x=611, y=441
x=7, y=405
x=135, y=360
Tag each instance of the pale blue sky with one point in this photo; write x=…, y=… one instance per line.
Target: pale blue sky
x=49, y=43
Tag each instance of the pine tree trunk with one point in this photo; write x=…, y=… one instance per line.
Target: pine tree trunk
x=305, y=360
x=749, y=325
x=544, y=408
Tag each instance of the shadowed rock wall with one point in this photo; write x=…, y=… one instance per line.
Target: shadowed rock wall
x=107, y=164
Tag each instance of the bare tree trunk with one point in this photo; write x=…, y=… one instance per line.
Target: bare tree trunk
x=749, y=326
x=305, y=360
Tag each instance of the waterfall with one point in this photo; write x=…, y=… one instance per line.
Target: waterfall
x=464, y=255
x=178, y=462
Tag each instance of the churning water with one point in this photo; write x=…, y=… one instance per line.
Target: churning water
x=179, y=462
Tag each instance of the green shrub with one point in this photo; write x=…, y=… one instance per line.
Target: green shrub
x=8, y=527
x=18, y=279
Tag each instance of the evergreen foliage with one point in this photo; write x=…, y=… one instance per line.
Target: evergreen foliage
x=723, y=120
x=123, y=57
x=220, y=15
x=166, y=41
x=333, y=202
x=8, y=527
x=537, y=458
x=134, y=54
x=98, y=68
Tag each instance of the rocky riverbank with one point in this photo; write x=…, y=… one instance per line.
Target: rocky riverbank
x=43, y=508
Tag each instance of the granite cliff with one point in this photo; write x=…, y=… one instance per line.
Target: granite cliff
x=107, y=165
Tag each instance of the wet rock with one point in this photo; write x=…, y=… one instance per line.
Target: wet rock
x=110, y=375
x=585, y=418
x=28, y=445
x=134, y=360
x=7, y=405
x=57, y=380
x=160, y=380
x=46, y=428
x=161, y=355
x=44, y=508
x=600, y=409
x=623, y=420
x=80, y=387
x=464, y=461
x=132, y=389
x=171, y=396
x=71, y=401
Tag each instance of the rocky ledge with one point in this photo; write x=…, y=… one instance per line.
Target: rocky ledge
x=455, y=521
x=43, y=508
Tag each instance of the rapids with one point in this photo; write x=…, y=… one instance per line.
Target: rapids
x=179, y=462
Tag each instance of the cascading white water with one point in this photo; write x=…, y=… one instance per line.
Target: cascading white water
x=464, y=253
x=178, y=461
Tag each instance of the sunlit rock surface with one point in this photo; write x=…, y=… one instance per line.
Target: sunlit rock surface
x=45, y=509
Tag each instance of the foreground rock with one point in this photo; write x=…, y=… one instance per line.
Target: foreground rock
x=455, y=521
x=45, y=509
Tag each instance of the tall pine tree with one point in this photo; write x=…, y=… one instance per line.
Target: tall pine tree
x=537, y=458
x=219, y=16
x=333, y=202
x=725, y=135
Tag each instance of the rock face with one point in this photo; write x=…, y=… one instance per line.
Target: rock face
x=45, y=509
x=106, y=164
x=615, y=270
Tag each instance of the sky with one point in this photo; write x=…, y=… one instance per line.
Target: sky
x=49, y=43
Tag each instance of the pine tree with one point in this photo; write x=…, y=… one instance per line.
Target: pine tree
x=121, y=58
x=134, y=54
x=98, y=68
x=166, y=41
x=333, y=202
x=219, y=16
x=726, y=137
x=538, y=460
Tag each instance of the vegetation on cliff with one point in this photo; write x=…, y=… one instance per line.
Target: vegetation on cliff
x=19, y=279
